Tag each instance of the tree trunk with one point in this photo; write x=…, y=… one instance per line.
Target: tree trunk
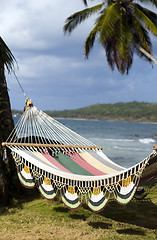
x=7, y=167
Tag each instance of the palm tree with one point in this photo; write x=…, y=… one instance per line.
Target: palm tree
x=122, y=27
x=7, y=168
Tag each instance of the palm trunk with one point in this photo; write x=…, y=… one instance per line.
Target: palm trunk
x=7, y=167
x=146, y=54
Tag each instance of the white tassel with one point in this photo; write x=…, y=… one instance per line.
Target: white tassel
x=5, y=155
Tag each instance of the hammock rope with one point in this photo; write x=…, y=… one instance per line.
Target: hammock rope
x=20, y=85
x=56, y=159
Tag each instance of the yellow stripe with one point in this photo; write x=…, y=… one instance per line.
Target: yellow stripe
x=95, y=163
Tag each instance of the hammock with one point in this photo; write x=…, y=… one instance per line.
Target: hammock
x=56, y=159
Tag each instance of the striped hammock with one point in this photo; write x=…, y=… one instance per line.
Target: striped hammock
x=56, y=159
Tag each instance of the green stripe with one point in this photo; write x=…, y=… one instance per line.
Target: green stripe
x=97, y=208
x=72, y=206
x=25, y=183
x=71, y=165
x=46, y=195
x=125, y=201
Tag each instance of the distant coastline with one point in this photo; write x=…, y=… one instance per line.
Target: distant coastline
x=131, y=111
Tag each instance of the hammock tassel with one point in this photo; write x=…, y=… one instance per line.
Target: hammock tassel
x=4, y=154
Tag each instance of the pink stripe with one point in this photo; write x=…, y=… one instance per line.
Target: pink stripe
x=82, y=162
x=54, y=162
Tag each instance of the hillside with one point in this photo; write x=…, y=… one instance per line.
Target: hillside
x=132, y=111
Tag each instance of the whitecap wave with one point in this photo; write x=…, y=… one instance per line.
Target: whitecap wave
x=127, y=148
x=121, y=140
x=146, y=140
x=113, y=140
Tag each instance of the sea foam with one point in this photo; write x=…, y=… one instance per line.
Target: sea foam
x=146, y=140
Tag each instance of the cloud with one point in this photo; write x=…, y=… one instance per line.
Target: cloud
x=52, y=70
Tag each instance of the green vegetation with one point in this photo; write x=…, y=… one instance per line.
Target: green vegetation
x=132, y=111
x=39, y=219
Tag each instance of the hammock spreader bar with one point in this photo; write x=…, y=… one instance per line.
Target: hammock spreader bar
x=56, y=159
x=49, y=145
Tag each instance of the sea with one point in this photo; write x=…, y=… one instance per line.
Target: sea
x=125, y=143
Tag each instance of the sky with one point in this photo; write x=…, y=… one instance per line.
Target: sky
x=51, y=66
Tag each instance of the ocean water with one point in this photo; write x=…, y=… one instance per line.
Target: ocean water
x=126, y=143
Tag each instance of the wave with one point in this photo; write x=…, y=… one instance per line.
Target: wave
x=120, y=140
x=146, y=140
x=141, y=140
x=112, y=140
x=127, y=148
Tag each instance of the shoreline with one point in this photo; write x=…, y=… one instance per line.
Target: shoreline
x=123, y=112
x=96, y=119
x=109, y=120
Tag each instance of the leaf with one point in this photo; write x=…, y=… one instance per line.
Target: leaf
x=6, y=56
x=79, y=17
x=141, y=35
x=90, y=40
x=148, y=23
x=108, y=21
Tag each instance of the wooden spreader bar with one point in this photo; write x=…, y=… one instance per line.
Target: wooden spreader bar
x=49, y=145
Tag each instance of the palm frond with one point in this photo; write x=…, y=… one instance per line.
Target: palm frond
x=122, y=27
x=124, y=45
x=108, y=21
x=124, y=36
x=151, y=15
x=141, y=35
x=148, y=23
x=78, y=17
x=6, y=56
x=148, y=49
x=90, y=40
x=119, y=47
x=109, y=46
x=123, y=55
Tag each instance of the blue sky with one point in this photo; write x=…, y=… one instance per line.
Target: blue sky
x=52, y=69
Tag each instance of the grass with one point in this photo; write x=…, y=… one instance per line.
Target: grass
x=39, y=219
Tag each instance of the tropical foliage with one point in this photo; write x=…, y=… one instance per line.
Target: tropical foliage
x=122, y=27
x=6, y=56
x=132, y=111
